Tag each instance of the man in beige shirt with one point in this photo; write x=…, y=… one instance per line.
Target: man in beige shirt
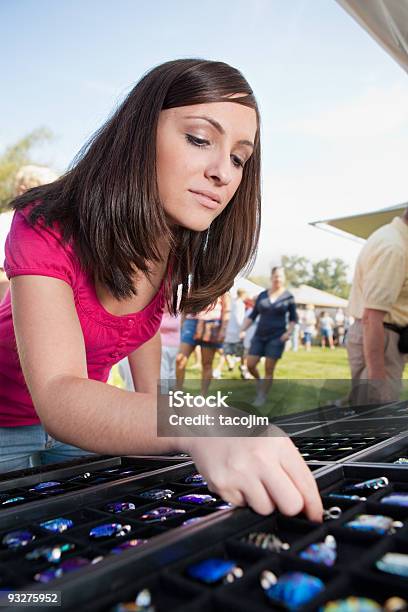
x=379, y=305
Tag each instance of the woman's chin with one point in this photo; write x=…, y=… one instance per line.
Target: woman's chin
x=194, y=223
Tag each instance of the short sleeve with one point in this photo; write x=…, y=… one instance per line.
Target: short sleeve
x=383, y=277
x=37, y=250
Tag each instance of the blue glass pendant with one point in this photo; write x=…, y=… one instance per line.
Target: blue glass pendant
x=213, y=570
x=45, y=485
x=65, y=567
x=352, y=604
x=321, y=552
x=52, y=554
x=126, y=545
x=355, y=498
x=374, y=523
x=196, y=499
x=9, y=501
x=373, y=483
x=109, y=530
x=17, y=539
x=157, y=494
x=118, y=507
x=195, y=479
x=394, y=563
x=398, y=499
x=163, y=513
x=401, y=461
x=57, y=525
x=293, y=589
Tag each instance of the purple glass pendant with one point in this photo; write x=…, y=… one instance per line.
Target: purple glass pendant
x=45, y=485
x=293, y=589
x=57, y=525
x=398, y=499
x=126, y=545
x=157, y=494
x=195, y=479
x=196, y=498
x=118, y=507
x=163, y=513
x=17, y=539
x=321, y=552
x=109, y=530
x=65, y=567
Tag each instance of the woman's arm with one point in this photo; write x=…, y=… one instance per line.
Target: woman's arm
x=225, y=316
x=144, y=364
x=86, y=413
x=264, y=473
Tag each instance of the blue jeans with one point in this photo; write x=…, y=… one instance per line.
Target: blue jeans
x=30, y=446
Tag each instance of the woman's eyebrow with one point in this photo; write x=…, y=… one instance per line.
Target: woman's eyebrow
x=219, y=127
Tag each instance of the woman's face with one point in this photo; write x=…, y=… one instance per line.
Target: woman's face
x=278, y=279
x=201, y=152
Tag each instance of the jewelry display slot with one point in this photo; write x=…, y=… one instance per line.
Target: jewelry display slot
x=293, y=531
x=248, y=594
x=360, y=584
x=167, y=593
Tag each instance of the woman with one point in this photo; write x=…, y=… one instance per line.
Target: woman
x=277, y=317
x=207, y=330
x=166, y=193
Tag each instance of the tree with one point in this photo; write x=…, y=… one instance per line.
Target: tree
x=330, y=275
x=15, y=156
x=297, y=269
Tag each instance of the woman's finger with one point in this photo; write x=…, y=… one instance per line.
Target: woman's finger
x=304, y=481
x=283, y=492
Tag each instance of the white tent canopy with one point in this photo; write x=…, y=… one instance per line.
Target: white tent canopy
x=243, y=283
x=364, y=224
x=321, y=299
x=386, y=21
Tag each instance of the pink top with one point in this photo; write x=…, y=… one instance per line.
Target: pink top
x=170, y=330
x=108, y=338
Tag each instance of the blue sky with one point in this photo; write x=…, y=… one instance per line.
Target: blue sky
x=334, y=105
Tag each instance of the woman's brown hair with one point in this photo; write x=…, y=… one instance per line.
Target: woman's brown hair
x=108, y=204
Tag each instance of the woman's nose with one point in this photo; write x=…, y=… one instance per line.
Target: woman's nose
x=220, y=169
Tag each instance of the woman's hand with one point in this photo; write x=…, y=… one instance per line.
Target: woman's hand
x=285, y=337
x=264, y=473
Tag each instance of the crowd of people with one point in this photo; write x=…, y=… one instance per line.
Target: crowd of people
x=240, y=330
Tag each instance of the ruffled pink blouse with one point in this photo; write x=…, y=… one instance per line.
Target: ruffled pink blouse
x=108, y=338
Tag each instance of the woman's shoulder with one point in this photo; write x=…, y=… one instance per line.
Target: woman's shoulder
x=37, y=248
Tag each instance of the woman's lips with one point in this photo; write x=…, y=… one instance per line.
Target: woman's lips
x=205, y=201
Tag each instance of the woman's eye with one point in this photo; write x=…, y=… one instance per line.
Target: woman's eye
x=198, y=142
x=238, y=163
